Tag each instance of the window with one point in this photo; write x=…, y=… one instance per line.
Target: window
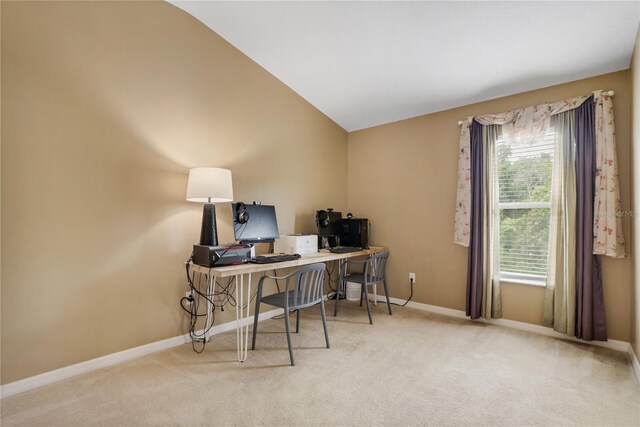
x=524, y=179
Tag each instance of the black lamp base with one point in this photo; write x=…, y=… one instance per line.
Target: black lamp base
x=208, y=232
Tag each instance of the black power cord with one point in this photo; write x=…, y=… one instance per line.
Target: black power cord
x=192, y=307
x=410, y=296
x=199, y=297
x=331, y=295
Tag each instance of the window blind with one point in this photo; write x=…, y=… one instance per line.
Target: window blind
x=524, y=177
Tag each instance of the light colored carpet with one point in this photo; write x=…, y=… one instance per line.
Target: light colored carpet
x=412, y=368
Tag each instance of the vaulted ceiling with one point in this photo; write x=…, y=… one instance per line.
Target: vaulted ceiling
x=366, y=63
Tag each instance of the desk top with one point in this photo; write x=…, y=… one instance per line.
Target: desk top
x=233, y=270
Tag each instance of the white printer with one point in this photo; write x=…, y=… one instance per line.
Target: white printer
x=296, y=244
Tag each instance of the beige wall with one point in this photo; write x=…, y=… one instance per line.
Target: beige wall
x=106, y=105
x=635, y=128
x=402, y=176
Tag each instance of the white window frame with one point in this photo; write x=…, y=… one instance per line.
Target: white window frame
x=521, y=278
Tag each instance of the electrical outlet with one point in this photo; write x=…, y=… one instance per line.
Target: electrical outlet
x=412, y=277
x=189, y=296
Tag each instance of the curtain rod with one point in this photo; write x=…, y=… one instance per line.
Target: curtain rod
x=605, y=92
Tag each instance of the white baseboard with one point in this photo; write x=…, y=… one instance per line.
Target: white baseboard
x=57, y=375
x=634, y=361
x=536, y=329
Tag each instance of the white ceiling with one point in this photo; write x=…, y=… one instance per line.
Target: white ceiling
x=365, y=63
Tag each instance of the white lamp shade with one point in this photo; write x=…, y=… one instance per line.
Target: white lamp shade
x=209, y=185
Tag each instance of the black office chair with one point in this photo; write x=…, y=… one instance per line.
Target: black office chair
x=374, y=271
x=303, y=288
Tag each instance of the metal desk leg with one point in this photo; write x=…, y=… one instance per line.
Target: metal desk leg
x=209, y=322
x=242, y=321
x=341, y=274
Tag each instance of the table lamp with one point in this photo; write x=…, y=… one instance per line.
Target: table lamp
x=209, y=186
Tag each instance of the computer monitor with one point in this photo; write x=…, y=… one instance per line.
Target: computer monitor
x=328, y=223
x=254, y=223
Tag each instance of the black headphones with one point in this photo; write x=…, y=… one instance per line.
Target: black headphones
x=322, y=219
x=242, y=215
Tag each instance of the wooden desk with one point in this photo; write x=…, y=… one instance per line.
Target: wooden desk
x=242, y=270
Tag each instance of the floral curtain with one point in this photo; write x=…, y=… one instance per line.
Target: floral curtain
x=462, y=229
x=529, y=124
x=607, y=222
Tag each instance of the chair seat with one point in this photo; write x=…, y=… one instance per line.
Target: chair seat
x=278, y=300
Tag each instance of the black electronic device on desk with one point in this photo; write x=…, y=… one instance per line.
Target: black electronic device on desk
x=210, y=256
x=268, y=259
x=354, y=232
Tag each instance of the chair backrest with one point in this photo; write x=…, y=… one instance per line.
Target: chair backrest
x=375, y=269
x=304, y=286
